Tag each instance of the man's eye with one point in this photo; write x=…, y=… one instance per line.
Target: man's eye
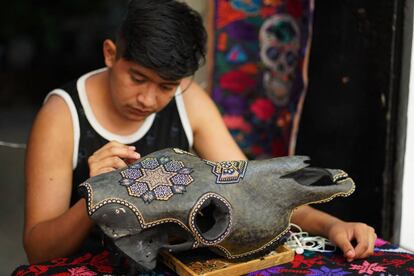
x=167, y=88
x=137, y=80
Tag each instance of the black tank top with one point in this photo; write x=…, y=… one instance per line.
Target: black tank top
x=166, y=131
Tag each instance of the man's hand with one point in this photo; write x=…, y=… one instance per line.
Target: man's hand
x=344, y=233
x=110, y=157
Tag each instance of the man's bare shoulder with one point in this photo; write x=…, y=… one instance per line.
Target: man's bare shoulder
x=196, y=98
x=53, y=125
x=55, y=110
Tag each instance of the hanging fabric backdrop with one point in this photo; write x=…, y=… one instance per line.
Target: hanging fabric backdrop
x=258, y=70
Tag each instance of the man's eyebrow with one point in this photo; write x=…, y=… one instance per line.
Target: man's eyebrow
x=164, y=82
x=136, y=72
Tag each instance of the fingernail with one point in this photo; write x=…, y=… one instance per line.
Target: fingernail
x=131, y=147
x=137, y=155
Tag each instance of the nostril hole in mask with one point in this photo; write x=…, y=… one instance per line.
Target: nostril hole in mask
x=205, y=218
x=212, y=219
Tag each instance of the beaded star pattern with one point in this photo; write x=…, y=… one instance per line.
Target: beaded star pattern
x=156, y=178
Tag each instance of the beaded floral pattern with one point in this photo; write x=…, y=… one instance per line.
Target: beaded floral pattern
x=156, y=178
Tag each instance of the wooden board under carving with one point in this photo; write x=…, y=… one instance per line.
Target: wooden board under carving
x=204, y=262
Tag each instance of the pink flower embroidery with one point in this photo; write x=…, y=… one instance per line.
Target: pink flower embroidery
x=263, y=109
x=300, y=261
x=38, y=269
x=237, y=82
x=379, y=242
x=101, y=262
x=81, y=271
x=237, y=122
x=368, y=268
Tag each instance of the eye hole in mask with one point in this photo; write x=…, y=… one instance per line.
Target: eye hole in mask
x=212, y=218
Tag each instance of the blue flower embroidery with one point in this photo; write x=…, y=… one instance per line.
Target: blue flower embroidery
x=249, y=6
x=325, y=271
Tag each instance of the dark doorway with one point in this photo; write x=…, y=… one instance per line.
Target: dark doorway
x=350, y=112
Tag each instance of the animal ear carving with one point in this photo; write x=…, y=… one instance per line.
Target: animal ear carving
x=174, y=200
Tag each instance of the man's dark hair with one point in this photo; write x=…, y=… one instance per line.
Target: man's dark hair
x=166, y=36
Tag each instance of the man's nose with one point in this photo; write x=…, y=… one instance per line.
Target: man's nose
x=148, y=97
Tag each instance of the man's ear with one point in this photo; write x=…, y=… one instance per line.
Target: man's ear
x=109, y=52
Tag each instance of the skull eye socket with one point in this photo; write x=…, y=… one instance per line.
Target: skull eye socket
x=211, y=219
x=273, y=53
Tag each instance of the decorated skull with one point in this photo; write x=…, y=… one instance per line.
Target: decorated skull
x=173, y=200
x=279, y=43
x=279, y=49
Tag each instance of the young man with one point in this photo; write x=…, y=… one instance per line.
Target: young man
x=141, y=102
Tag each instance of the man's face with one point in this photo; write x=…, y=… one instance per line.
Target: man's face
x=137, y=91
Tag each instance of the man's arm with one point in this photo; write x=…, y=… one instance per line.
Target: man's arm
x=339, y=232
x=213, y=141
x=51, y=228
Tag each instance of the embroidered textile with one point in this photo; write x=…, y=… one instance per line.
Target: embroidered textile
x=388, y=259
x=259, y=73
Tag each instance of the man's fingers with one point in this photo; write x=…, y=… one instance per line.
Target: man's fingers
x=342, y=241
x=366, y=243
x=113, y=149
x=111, y=156
x=365, y=237
x=124, y=152
x=110, y=163
x=110, y=145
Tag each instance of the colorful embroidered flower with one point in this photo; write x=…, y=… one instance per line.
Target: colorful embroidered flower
x=81, y=271
x=102, y=263
x=302, y=262
x=237, y=54
x=234, y=105
x=81, y=259
x=368, y=268
x=38, y=269
x=237, y=122
x=247, y=6
x=263, y=109
x=227, y=14
x=380, y=242
x=237, y=81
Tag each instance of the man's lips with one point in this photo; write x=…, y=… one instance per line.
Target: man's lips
x=139, y=112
